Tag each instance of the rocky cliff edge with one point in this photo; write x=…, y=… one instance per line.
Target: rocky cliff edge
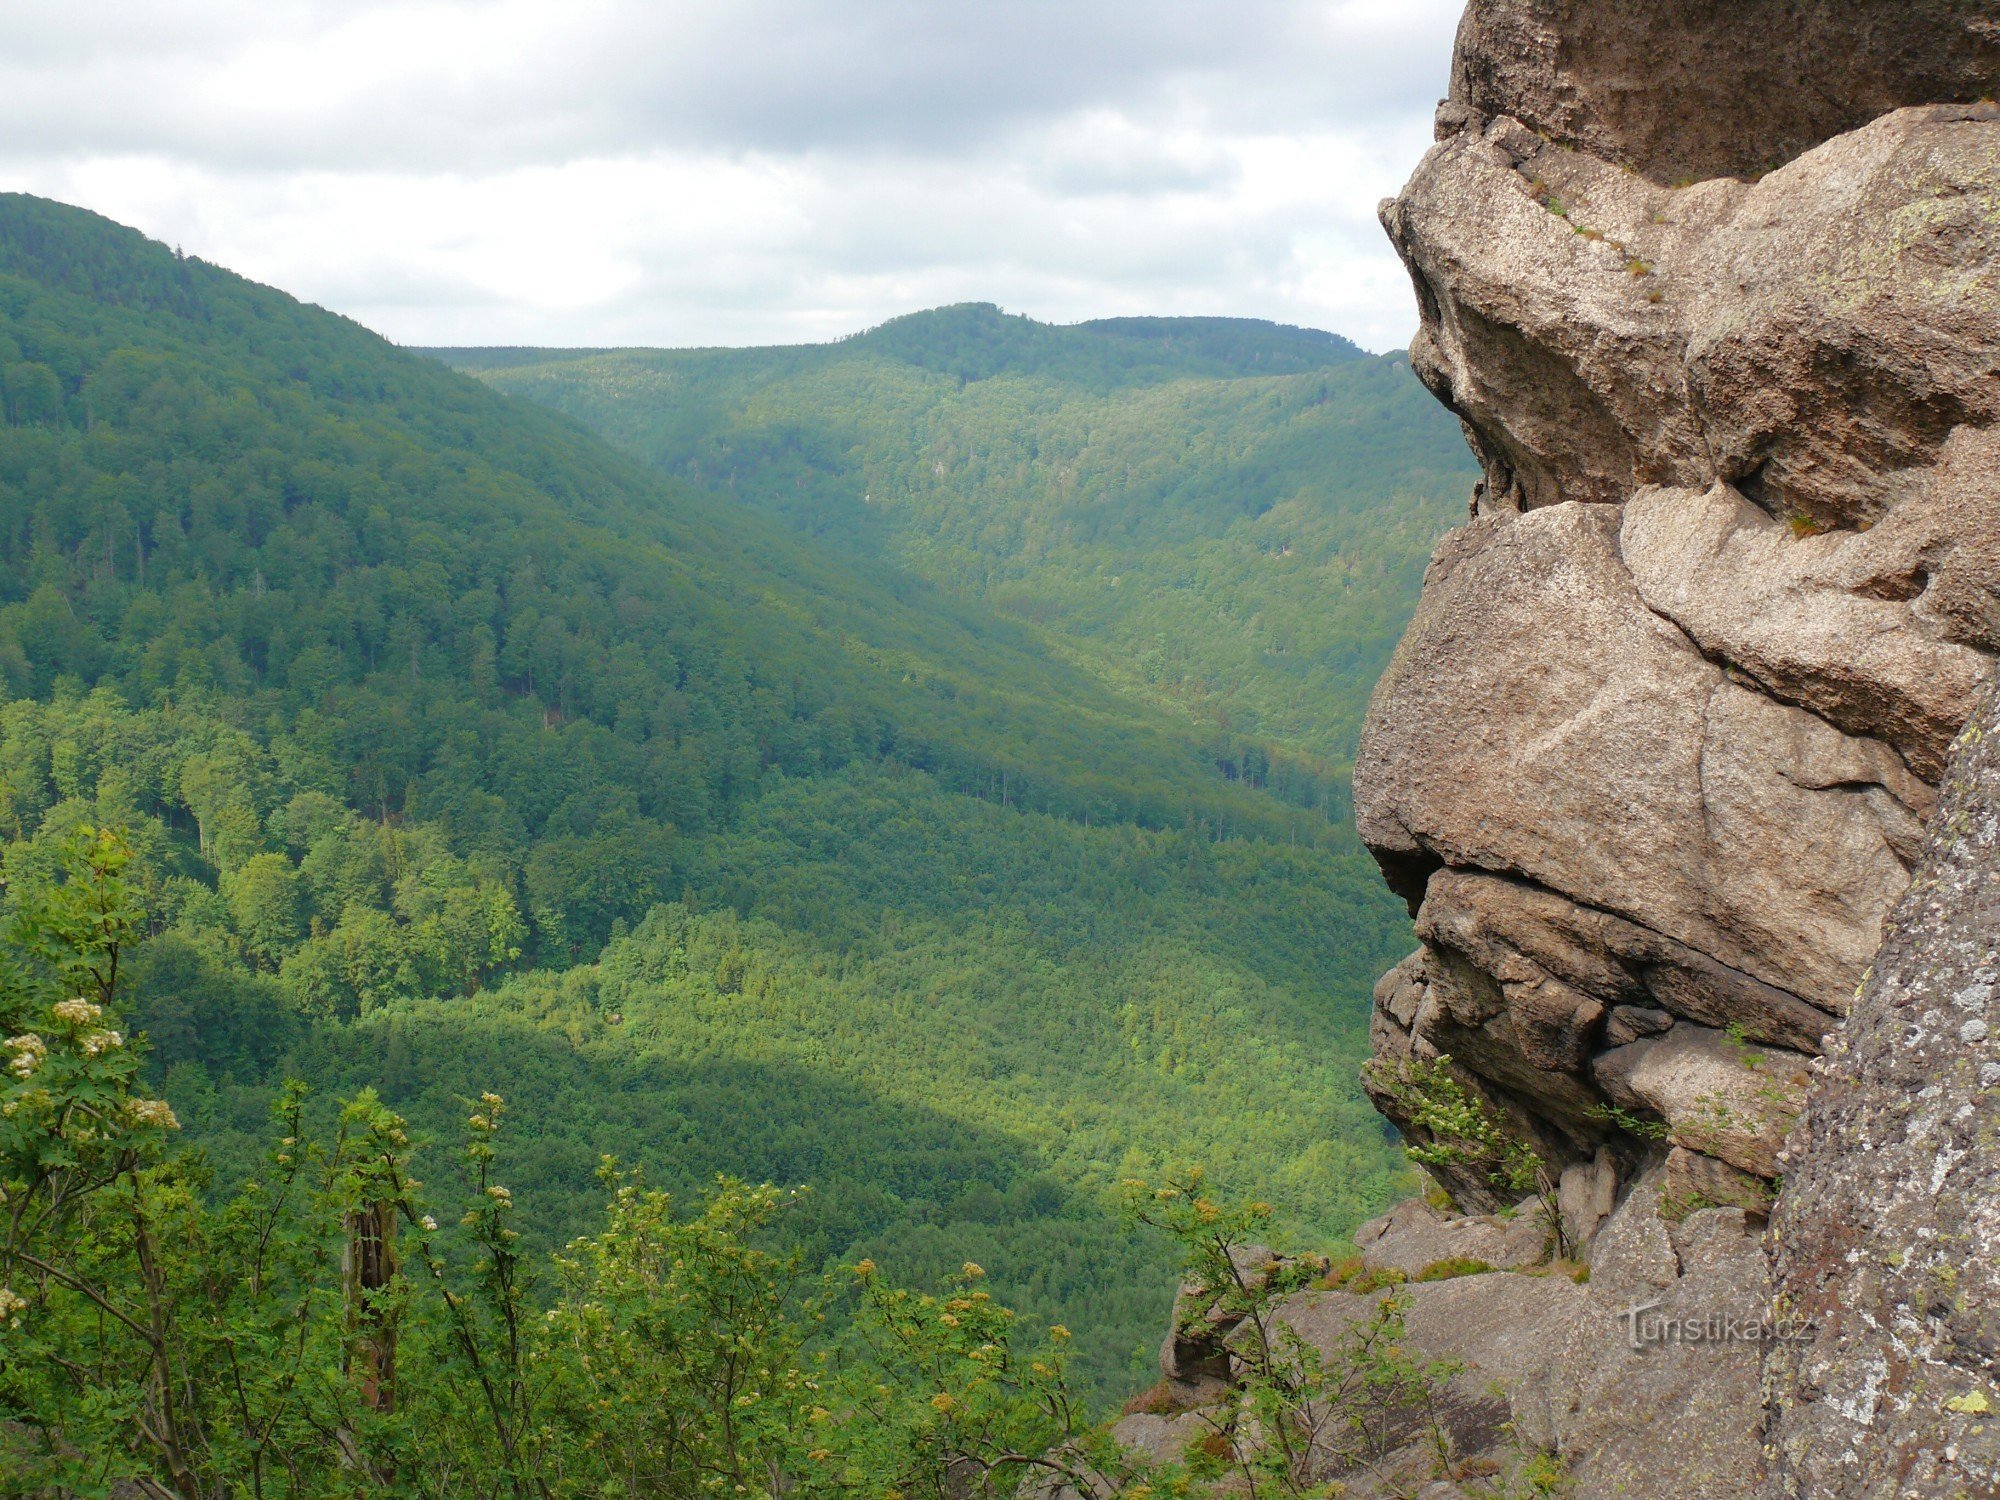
x=1715, y=290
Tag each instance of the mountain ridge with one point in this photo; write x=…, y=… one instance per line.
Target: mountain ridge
x=1260, y=345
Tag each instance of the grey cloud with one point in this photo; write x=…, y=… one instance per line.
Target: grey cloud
x=493, y=88
x=620, y=171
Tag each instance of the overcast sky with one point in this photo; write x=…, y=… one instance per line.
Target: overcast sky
x=743, y=171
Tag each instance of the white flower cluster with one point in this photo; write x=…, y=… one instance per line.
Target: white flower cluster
x=97, y=1043
x=12, y=1305
x=26, y=1052
x=502, y=1196
x=78, y=1011
x=152, y=1112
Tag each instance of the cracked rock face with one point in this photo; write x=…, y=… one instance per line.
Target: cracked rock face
x=1653, y=761
x=1675, y=735
x=1887, y=1237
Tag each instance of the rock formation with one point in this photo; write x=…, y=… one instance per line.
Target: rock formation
x=1616, y=1372
x=1714, y=286
x=1653, y=760
x=1683, y=90
x=1887, y=1236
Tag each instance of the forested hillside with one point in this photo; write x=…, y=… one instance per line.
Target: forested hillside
x=459, y=751
x=1229, y=515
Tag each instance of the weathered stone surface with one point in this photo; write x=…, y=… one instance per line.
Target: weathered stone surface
x=1818, y=339
x=1162, y=1437
x=1643, y=1383
x=1653, y=763
x=1413, y=1236
x=1504, y=1332
x=1586, y=1195
x=1400, y=992
x=1887, y=1234
x=1650, y=1403
x=1194, y=1356
x=1682, y=89
x=1634, y=1259
x=1627, y=1023
x=1662, y=735
x=1803, y=616
x=1668, y=1408
x=1529, y=938
x=1727, y=1099
x=1493, y=1031
x=1430, y=1036
x=1693, y=1181
x=1539, y=720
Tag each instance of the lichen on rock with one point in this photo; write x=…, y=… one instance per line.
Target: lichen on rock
x=1887, y=1236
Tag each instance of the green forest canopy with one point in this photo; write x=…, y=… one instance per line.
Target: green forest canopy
x=460, y=751
x=1228, y=515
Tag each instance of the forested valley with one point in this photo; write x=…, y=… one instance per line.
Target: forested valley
x=956, y=851
x=1224, y=515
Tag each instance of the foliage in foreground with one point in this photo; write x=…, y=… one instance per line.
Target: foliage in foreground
x=961, y=1024
x=333, y=1328
x=322, y=1332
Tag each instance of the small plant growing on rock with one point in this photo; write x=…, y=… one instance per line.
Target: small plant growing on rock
x=1677, y=1206
x=1631, y=1124
x=1303, y=1414
x=1538, y=1475
x=1354, y=1275
x=1465, y=1131
x=1453, y=1267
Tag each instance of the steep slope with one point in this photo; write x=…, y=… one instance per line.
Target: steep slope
x=1221, y=513
x=413, y=698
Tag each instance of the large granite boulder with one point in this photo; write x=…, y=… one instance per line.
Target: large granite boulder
x=1658, y=1393
x=1641, y=1380
x=1414, y=1236
x=1818, y=339
x=1715, y=291
x=1726, y=1099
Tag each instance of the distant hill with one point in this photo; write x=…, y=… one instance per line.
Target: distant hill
x=460, y=751
x=977, y=341
x=1220, y=513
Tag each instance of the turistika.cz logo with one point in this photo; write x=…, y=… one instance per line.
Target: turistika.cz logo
x=1646, y=1326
